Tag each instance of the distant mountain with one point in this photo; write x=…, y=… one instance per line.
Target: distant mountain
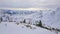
x=16, y=11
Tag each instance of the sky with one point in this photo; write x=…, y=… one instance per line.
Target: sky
x=29, y=3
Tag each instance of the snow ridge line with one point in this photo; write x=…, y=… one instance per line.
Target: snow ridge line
x=48, y=28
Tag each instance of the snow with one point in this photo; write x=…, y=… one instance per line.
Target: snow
x=12, y=28
x=52, y=18
x=49, y=18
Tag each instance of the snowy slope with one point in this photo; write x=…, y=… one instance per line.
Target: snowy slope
x=52, y=18
x=12, y=28
x=49, y=18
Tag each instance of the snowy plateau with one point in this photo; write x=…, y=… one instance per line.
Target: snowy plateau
x=30, y=21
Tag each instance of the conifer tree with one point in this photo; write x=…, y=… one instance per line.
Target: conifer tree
x=1, y=19
x=39, y=24
x=24, y=21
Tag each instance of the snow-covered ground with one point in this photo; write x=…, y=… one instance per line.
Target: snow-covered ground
x=12, y=28
x=52, y=18
x=12, y=21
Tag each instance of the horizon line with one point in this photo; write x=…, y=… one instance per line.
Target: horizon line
x=26, y=8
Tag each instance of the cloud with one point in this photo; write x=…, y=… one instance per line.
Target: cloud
x=29, y=3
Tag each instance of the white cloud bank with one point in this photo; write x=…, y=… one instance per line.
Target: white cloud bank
x=29, y=3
